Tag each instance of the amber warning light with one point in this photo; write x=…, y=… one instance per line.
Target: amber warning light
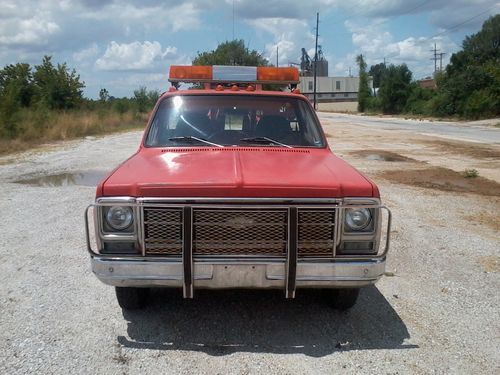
x=233, y=74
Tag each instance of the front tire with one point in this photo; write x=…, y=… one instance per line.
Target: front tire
x=344, y=299
x=131, y=298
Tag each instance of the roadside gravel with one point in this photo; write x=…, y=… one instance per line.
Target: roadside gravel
x=437, y=312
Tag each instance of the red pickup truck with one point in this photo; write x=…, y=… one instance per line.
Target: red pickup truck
x=234, y=186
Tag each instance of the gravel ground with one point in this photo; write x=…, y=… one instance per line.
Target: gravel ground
x=437, y=311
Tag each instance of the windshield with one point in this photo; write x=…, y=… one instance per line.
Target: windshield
x=229, y=120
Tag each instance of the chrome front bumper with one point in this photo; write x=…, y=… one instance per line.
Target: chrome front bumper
x=237, y=274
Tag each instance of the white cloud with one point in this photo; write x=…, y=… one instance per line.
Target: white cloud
x=285, y=9
x=134, y=56
x=376, y=44
x=174, y=17
x=86, y=54
x=30, y=31
x=289, y=35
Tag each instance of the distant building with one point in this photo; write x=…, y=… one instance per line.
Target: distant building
x=428, y=83
x=332, y=89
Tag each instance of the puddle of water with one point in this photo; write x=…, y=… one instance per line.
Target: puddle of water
x=378, y=157
x=83, y=178
x=381, y=155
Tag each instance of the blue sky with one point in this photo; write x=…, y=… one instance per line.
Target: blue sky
x=121, y=45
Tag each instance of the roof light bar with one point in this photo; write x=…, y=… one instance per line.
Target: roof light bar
x=233, y=74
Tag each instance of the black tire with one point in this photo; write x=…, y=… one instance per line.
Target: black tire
x=344, y=299
x=132, y=298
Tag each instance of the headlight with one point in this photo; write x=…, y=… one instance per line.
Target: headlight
x=357, y=219
x=119, y=217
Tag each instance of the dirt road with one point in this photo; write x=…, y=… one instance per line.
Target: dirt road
x=436, y=311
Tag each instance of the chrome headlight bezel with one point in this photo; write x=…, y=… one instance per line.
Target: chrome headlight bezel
x=363, y=240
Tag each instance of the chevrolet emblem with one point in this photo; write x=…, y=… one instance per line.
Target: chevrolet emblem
x=240, y=222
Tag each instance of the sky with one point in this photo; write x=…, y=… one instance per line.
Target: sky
x=122, y=45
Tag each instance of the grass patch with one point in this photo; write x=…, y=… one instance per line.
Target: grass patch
x=471, y=173
x=38, y=128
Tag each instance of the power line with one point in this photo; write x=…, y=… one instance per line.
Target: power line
x=463, y=22
x=364, y=12
x=418, y=6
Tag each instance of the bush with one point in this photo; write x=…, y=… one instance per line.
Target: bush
x=418, y=102
x=471, y=173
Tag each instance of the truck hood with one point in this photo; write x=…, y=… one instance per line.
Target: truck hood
x=272, y=172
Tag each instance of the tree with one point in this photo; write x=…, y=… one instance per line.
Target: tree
x=153, y=96
x=470, y=86
x=231, y=53
x=17, y=81
x=57, y=87
x=377, y=72
x=364, y=88
x=145, y=99
x=395, y=89
x=103, y=95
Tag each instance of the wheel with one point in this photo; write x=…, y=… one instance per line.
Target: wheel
x=131, y=298
x=344, y=299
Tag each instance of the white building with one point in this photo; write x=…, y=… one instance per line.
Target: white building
x=331, y=89
x=333, y=93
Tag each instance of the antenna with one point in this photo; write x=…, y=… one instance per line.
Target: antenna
x=233, y=19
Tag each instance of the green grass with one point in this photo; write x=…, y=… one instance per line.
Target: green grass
x=471, y=173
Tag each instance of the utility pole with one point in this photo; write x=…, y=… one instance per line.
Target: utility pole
x=441, y=60
x=435, y=57
x=277, y=54
x=316, y=59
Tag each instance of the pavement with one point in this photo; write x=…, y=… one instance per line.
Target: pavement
x=483, y=131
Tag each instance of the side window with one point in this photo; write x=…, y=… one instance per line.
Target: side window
x=337, y=85
x=310, y=85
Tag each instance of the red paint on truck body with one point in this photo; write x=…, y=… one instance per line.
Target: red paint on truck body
x=236, y=171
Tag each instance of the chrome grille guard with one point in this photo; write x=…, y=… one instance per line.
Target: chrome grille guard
x=294, y=215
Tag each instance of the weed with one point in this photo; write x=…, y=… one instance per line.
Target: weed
x=471, y=173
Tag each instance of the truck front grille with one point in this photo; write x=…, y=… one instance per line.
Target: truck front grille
x=243, y=231
x=316, y=232
x=163, y=231
x=239, y=232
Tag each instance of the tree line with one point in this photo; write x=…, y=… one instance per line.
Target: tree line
x=469, y=87
x=34, y=94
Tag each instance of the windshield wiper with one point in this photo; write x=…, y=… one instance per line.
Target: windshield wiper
x=189, y=139
x=264, y=140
